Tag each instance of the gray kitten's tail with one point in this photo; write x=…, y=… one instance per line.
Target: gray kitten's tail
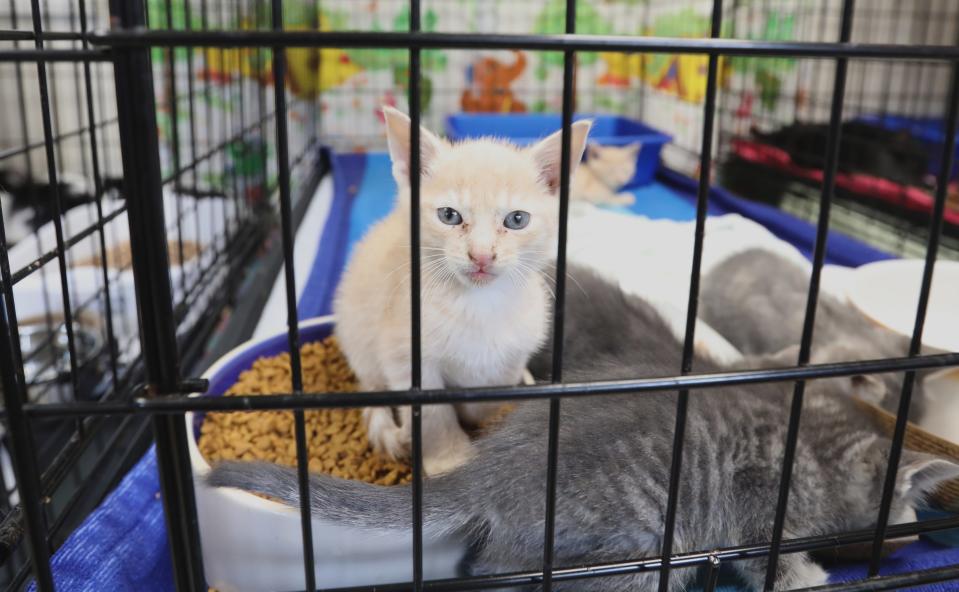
x=352, y=503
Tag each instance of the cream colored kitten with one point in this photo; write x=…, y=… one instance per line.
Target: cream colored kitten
x=606, y=170
x=489, y=215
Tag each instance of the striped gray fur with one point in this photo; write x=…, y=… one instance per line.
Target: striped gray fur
x=614, y=460
x=757, y=300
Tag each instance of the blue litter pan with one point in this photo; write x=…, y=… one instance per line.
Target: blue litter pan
x=524, y=129
x=930, y=131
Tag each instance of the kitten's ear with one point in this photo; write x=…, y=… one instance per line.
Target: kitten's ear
x=547, y=153
x=635, y=147
x=398, y=138
x=920, y=473
x=592, y=150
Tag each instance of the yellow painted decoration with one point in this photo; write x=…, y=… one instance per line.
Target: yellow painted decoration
x=310, y=70
x=225, y=65
x=620, y=67
x=683, y=75
x=307, y=78
x=691, y=71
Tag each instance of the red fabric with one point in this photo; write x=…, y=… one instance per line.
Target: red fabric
x=912, y=198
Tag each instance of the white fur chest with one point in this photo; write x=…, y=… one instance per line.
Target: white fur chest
x=485, y=337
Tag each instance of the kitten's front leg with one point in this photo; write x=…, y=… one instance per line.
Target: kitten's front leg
x=476, y=413
x=386, y=438
x=445, y=444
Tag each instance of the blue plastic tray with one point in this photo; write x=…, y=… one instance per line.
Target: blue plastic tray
x=930, y=131
x=525, y=129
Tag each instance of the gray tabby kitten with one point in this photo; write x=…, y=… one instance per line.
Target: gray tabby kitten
x=757, y=300
x=614, y=462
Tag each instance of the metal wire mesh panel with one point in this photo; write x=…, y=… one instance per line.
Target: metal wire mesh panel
x=158, y=148
x=71, y=308
x=766, y=96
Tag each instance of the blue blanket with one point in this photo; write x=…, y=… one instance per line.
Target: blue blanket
x=915, y=557
x=122, y=545
x=350, y=172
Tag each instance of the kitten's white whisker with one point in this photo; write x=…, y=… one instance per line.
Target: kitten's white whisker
x=429, y=259
x=397, y=268
x=569, y=276
x=422, y=248
x=405, y=279
x=431, y=283
x=423, y=271
x=528, y=268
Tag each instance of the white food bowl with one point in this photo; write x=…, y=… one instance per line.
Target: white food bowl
x=251, y=544
x=888, y=293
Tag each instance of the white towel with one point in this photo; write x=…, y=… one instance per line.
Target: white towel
x=653, y=259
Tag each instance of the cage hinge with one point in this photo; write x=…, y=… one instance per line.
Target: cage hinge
x=194, y=385
x=186, y=387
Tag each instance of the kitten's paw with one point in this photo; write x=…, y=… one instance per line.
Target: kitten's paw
x=445, y=444
x=386, y=438
x=624, y=199
x=393, y=443
x=801, y=573
x=443, y=463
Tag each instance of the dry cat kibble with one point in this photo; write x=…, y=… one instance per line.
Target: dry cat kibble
x=336, y=438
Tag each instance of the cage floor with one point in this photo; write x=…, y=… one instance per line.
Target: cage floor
x=122, y=545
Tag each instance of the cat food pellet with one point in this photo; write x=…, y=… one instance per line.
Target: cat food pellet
x=336, y=438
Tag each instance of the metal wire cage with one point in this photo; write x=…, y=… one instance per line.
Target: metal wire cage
x=758, y=98
x=182, y=193
x=71, y=329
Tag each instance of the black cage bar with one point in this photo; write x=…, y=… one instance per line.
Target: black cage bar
x=146, y=380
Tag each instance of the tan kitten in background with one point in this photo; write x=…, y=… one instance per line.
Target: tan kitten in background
x=489, y=216
x=606, y=170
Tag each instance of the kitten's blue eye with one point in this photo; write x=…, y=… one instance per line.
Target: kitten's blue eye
x=449, y=216
x=516, y=220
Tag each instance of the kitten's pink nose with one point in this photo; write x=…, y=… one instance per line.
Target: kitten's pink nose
x=482, y=260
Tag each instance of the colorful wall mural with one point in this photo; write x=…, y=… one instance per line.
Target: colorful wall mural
x=347, y=87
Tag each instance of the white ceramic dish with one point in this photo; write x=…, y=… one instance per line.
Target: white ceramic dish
x=251, y=544
x=888, y=292
x=41, y=292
